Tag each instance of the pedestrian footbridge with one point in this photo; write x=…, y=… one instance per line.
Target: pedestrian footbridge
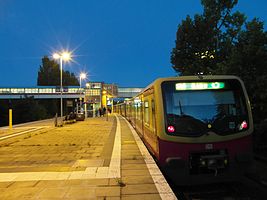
x=42, y=93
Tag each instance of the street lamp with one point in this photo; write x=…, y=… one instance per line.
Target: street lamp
x=61, y=56
x=82, y=76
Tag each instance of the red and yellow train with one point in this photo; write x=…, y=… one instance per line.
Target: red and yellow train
x=197, y=127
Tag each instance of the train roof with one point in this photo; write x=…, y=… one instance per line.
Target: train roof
x=188, y=78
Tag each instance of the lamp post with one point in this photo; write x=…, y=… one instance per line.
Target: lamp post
x=61, y=56
x=82, y=76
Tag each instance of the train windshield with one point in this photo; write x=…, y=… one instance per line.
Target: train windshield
x=196, y=108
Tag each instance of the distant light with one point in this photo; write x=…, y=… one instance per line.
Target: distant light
x=64, y=55
x=56, y=56
x=171, y=129
x=199, y=86
x=83, y=75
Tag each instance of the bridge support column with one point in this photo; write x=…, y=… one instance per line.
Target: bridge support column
x=85, y=110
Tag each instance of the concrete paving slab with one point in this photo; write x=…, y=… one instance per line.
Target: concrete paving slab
x=20, y=193
x=96, y=182
x=89, y=163
x=137, y=166
x=112, y=191
x=80, y=193
x=134, y=172
x=50, y=184
x=141, y=196
x=67, y=164
x=133, y=180
x=139, y=189
x=52, y=193
x=5, y=184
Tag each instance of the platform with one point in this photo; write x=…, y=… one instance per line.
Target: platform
x=99, y=158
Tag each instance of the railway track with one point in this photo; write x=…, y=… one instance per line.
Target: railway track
x=218, y=191
x=260, y=158
x=251, y=186
x=245, y=190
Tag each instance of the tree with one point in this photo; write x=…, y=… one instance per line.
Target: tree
x=204, y=43
x=24, y=110
x=49, y=74
x=194, y=47
x=248, y=60
x=27, y=109
x=217, y=42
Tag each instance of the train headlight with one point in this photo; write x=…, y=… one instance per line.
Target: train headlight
x=171, y=129
x=203, y=162
x=243, y=125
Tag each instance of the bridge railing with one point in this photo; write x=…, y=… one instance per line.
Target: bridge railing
x=42, y=90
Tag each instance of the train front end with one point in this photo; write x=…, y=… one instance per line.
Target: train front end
x=206, y=128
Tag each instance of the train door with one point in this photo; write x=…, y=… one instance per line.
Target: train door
x=134, y=111
x=154, y=125
x=138, y=120
x=149, y=121
x=128, y=110
x=142, y=115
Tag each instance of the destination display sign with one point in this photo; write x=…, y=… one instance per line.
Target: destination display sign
x=199, y=86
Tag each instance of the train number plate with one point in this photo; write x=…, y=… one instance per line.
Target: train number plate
x=208, y=146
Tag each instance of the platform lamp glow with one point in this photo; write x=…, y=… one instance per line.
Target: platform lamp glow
x=66, y=56
x=82, y=76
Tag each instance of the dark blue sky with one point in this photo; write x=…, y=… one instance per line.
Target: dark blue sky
x=127, y=42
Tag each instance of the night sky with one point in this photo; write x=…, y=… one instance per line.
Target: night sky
x=127, y=42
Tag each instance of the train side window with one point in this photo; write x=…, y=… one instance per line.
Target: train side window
x=138, y=111
x=153, y=114
x=146, y=112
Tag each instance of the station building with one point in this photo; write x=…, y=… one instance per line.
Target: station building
x=100, y=95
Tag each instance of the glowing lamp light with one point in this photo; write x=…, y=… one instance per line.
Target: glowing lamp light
x=83, y=75
x=56, y=56
x=171, y=129
x=66, y=56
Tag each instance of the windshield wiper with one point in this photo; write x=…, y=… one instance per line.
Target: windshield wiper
x=180, y=106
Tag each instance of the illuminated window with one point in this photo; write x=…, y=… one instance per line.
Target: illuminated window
x=17, y=90
x=31, y=90
x=4, y=90
x=45, y=90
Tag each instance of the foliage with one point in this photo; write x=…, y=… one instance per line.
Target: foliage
x=49, y=74
x=194, y=47
x=27, y=109
x=206, y=40
x=248, y=60
x=3, y=112
x=24, y=110
x=51, y=106
x=217, y=42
